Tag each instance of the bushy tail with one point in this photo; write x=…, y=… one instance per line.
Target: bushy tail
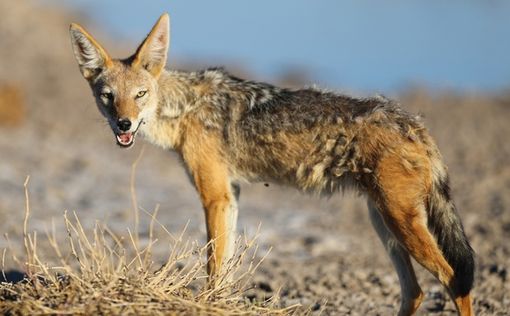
x=444, y=223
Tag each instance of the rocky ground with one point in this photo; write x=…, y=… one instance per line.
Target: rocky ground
x=324, y=253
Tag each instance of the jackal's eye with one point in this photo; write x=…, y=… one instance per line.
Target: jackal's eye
x=141, y=93
x=106, y=95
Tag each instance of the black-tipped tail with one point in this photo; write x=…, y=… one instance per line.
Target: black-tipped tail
x=445, y=224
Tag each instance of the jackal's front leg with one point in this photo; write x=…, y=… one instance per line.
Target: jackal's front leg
x=221, y=220
x=219, y=199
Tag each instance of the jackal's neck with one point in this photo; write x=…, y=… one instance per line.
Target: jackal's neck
x=176, y=93
x=181, y=96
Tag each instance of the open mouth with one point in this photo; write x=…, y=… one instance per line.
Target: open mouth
x=127, y=139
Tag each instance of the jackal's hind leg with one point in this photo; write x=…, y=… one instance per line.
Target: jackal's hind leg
x=402, y=191
x=411, y=293
x=422, y=246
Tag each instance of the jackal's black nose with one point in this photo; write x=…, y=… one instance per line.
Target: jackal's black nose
x=124, y=124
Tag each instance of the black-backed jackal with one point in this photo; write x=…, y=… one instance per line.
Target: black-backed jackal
x=228, y=130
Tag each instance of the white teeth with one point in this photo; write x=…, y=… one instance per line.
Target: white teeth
x=125, y=140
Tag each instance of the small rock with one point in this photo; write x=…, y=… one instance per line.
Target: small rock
x=315, y=307
x=264, y=286
x=506, y=227
x=435, y=300
x=310, y=241
x=502, y=274
x=499, y=270
x=251, y=297
x=493, y=268
x=12, y=276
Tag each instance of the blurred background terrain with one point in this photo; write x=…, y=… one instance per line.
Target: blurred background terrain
x=448, y=61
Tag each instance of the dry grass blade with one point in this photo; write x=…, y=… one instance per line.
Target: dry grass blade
x=132, y=188
x=25, y=228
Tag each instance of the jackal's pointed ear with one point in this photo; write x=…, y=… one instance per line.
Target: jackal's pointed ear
x=153, y=51
x=91, y=57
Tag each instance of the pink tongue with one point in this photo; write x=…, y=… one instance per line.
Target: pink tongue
x=125, y=138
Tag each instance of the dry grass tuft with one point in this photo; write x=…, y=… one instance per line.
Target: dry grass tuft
x=100, y=272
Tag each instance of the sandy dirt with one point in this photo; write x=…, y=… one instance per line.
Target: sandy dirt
x=324, y=254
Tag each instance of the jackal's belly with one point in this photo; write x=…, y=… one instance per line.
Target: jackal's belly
x=318, y=161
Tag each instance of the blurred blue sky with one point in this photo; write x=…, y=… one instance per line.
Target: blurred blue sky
x=357, y=45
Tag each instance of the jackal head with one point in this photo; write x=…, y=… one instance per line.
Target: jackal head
x=126, y=90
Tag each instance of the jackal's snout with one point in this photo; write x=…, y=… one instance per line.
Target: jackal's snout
x=126, y=131
x=124, y=124
x=125, y=138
